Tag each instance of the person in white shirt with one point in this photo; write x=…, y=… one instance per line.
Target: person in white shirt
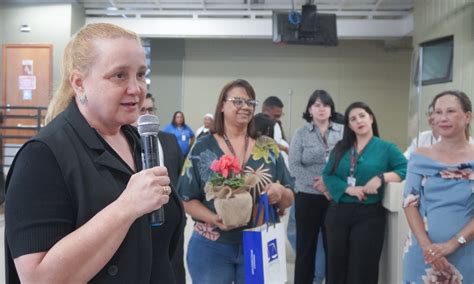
x=425, y=138
x=207, y=124
x=273, y=107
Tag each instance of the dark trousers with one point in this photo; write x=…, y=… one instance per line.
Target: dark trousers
x=355, y=234
x=177, y=262
x=310, y=211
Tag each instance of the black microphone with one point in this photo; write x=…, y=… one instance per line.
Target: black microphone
x=148, y=127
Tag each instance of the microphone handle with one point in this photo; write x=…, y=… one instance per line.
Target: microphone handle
x=157, y=217
x=151, y=159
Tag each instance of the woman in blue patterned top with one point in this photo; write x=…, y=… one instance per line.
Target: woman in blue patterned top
x=439, y=199
x=215, y=252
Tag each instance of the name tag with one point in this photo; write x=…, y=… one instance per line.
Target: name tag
x=351, y=181
x=183, y=137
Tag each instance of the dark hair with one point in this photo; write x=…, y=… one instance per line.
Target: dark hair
x=264, y=124
x=219, y=116
x=272, y=102
x=464, y=101
x=325, y=98
x=150, y=96
x=338, y=117
x=173, y=121
x=349, y=137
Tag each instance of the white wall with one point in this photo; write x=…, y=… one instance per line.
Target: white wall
x=53, y=24
x=167, y=77
x=439, y=18
x=78, y=18
x=49, y=24
x=355, y=70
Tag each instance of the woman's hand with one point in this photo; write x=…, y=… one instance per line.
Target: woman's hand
x=357, y=191
x=217, y=221
x=146, y=191
x=371, y=187
x=433, y=252
x=274, y=192
x=321, y=187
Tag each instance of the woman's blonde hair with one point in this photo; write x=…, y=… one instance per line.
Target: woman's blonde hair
x=79, y=54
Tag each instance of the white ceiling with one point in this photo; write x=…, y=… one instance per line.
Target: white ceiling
x=360, y=9
x=242, y=18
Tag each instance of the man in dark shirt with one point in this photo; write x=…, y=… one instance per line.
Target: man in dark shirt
x=168, y=152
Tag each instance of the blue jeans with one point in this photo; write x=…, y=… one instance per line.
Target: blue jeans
x=320, y=266
x=212, y=262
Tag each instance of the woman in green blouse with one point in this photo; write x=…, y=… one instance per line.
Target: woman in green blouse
x=355, y=176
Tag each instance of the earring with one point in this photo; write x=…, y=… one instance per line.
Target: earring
x=82, y=98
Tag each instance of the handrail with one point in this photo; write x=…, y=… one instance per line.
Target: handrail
x=22, y=107
x=24, y=131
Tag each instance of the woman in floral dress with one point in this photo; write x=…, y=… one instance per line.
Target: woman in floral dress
x=215, y=252
x=439, y=199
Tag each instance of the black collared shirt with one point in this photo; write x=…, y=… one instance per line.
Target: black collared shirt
x=61, y=179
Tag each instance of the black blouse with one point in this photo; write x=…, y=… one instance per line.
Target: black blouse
x=42, y=208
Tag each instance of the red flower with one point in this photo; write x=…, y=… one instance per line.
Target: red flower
x=225, y=165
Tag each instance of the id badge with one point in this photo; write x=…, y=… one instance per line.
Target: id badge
x=351, y=181
x=183, y=137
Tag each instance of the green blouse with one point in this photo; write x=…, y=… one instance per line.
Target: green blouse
x=265, y=160
x=378, y=157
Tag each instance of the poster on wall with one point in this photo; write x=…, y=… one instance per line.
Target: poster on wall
x=27, y=67
x=27, y=81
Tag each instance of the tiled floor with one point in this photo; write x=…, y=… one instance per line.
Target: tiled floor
x=188, y=230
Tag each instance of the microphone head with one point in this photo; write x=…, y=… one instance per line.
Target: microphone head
x=148, y=124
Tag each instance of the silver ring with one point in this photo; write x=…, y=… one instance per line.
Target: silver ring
x=166, y=190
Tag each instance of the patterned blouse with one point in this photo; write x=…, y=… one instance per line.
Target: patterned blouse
x=265, y=161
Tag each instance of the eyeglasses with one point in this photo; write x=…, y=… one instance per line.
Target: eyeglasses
x=148, y=110
x=239, y=102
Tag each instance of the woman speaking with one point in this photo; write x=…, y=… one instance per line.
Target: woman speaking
x=81, y=214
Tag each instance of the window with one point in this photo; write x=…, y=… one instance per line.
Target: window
x=147, y=48
x=437, y=61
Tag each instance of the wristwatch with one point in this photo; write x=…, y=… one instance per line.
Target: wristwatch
x=461, y=240
x=382, y=178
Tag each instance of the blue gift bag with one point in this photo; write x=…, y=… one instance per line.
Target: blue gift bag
x=264, y=248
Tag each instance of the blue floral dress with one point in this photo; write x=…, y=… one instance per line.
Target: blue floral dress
x=444, y=195
x=265, y=161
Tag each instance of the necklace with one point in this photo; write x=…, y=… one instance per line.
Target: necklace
x=231, y=148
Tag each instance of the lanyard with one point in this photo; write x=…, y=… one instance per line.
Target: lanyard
x=324, y=139
x=326, y=144
x=231, y=148
x=354, y=159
